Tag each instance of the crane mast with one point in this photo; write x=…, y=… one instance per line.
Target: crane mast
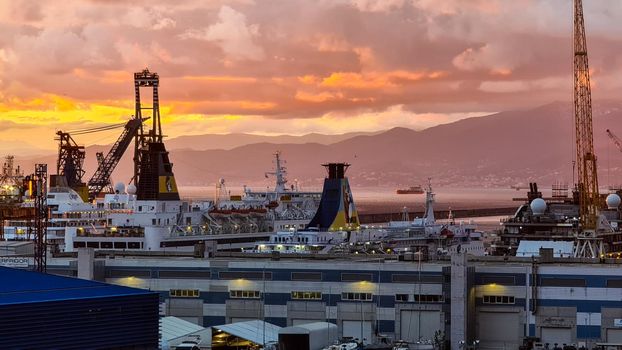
x=153, y=170
x=587, y=177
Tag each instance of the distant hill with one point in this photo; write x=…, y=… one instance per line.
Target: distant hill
x=230, y=141
x=498, y=150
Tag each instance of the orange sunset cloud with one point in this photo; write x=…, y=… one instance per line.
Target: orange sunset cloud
x=295, y=67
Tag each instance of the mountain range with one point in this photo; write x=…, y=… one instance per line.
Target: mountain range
x=230, y=141
x=496, y=150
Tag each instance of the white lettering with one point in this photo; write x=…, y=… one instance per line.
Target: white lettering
x=14, y=261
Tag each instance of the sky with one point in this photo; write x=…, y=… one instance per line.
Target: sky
x=290, y=66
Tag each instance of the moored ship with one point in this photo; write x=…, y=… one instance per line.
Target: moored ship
x=411, y=190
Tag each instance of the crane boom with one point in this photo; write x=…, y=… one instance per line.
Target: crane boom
x=615, y=139
x=101, y=177
x=585, y=157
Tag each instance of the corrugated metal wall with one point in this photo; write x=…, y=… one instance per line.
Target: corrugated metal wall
x=120, y=322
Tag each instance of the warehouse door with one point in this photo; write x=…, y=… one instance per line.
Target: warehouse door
x=499, y=330
x=419, y=325
x=614, y=335
x=556, y=335
x=353, y=329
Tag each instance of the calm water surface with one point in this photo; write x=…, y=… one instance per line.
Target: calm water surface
x=377, y=198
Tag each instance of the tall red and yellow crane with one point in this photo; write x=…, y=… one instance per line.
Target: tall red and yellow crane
x=587, y=243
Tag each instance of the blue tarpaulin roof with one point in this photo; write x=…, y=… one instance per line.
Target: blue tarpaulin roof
x=22, y=286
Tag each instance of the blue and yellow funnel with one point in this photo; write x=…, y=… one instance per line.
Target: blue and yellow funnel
x=337, y=211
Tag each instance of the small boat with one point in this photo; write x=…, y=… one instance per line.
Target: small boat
x=411, y=190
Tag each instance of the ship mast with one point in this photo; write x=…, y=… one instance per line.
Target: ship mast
x=279, y=173
x=587, y=243
x=429, y=204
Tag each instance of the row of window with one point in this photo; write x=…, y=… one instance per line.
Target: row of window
x=420, y=298
x=356, y=296
x=244, y=294
x=299, y=295
x=108, y=245
x=307, y=295
x=428, y=298
x=184, y=293
x=498, y=299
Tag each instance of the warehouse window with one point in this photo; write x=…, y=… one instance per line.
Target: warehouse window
x=184, y=293
x=498, y=299
x=179, y=274
x=501, y=280
x=307, y=295
x=562, y=282
x=428, y=298
x=356, y=277
x=128, y=273
x=306, y=276
x=411, y=278
x=244, y=294
x=401, y=297
x=614, y=283
x=356, y=296
x=248, y=275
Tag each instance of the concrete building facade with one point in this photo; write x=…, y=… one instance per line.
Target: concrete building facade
x=498, y=303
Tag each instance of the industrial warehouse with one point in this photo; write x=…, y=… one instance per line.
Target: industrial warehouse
x=500, y=303
x=39, y=311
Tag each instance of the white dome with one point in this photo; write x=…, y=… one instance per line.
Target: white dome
x=119, y=187
x=538, y=206
x=613, y=201
x=131, y=189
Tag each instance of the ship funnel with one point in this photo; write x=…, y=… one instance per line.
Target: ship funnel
x=337, y=211
x=336, y=170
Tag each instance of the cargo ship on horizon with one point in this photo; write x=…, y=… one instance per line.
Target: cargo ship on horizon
x=411, y=190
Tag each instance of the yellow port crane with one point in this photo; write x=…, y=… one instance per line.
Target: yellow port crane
x=588, y=244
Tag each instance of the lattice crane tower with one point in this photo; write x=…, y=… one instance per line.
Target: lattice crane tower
x=587, y=186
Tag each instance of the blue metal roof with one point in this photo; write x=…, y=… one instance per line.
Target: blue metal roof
x=22, y=286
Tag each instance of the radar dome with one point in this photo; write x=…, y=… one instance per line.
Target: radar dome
x=119, y=187
x=131, y=189
x=538, y=206
x=613, y=201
